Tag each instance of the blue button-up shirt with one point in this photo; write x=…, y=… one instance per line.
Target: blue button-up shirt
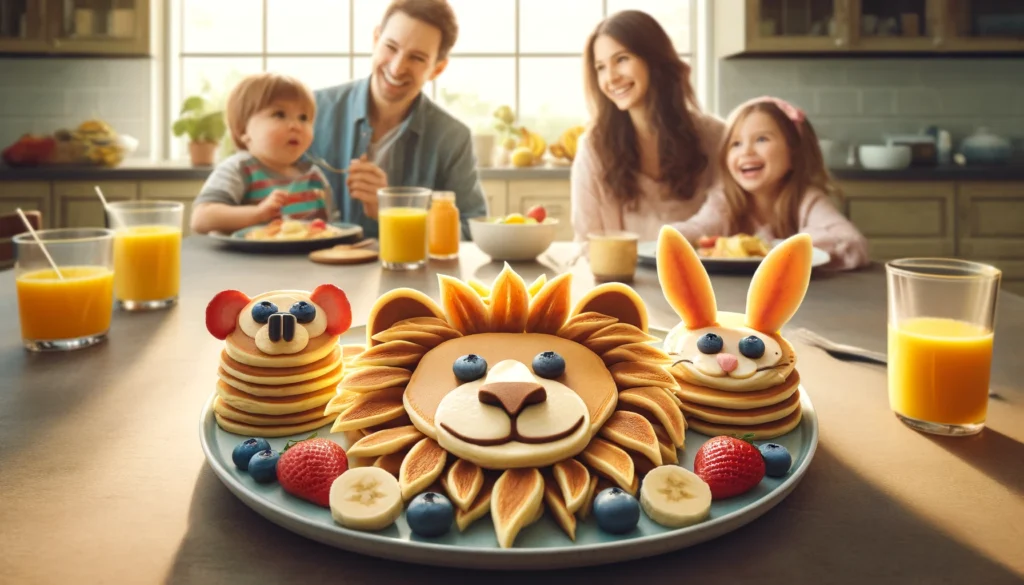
x=433, y=149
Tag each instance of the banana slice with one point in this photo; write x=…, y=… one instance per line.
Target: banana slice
x=675, y=497
x=365, y=498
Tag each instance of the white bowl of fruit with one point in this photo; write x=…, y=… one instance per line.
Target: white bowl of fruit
x=514, y=237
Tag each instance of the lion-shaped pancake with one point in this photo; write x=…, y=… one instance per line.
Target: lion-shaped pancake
x=736, y=372
x=511, y=442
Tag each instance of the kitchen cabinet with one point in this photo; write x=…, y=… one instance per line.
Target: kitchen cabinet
x=75, y=27
x=496, y=193
x=27, y=195
x=78, y=206
x=181, y=191
x=990, y=227
x=553, y=195
x=826, y=27
x=901, y=219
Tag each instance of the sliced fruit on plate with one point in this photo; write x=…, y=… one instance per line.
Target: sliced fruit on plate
x=365, y=498
x=675, y=497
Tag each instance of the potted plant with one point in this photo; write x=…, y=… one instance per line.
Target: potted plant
x=204, y=126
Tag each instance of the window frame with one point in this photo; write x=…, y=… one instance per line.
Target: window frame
x=171, y=92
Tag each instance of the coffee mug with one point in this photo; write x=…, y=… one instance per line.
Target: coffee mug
x=613, y=255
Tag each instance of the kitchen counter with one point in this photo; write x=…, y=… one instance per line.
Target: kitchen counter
x=101, y=457
x=145, y=170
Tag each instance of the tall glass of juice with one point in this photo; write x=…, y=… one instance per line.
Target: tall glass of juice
x=941, y=326
x=147, y=253
x=402, y=214
x=70, y=307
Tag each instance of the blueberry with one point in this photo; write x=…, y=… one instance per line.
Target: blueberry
x=776, y=459
x=263, y=466
x=470, y=367
x=752, y=347
x=548, y=364
x=430, y=514
x=616, y=511
x=710, y=343
x=246, y=449
x=303, y=311
x=262, y=311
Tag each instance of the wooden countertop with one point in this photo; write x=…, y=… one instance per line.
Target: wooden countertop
x=103, y=479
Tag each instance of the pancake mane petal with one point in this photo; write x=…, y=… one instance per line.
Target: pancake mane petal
x=480, y=507
x=396, y=353
x=463, y=307
x=463, y=483
x=550, y=307
x=610, y=461
x=637, y=374
x=574, y=481
x=517, y=498
x=421, y=467
x=658, y=405
x=613, y=336
x=371, y=409
x=555, y=503
x=632, y=431
x=510, y=303
x=385, y=442
x=371, y=378
x=579, y=327
x=636, y=352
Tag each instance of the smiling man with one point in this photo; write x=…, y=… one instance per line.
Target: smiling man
x=385, y=131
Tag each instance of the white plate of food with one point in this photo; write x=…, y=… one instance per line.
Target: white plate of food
x=738, y=253
x=291, y=236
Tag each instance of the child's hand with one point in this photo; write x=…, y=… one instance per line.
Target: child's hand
x=270, y=206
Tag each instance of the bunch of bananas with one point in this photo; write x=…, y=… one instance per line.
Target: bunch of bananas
x=101, y=143
x=566, y=145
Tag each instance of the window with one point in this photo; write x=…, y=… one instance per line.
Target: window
x=523, y=53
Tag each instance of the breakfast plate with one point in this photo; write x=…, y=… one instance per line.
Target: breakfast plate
x=542, y=545
x=242, y=240
x=647, y=256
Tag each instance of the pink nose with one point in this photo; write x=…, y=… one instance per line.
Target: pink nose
x=727, y=362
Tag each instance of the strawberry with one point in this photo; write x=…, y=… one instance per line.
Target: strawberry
x=334, y=301
x=308, y=468
x=222, y=312
x=318, y=224
x=730, y=466
x=707, y=241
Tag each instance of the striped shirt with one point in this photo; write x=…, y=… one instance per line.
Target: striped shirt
x=242, y=180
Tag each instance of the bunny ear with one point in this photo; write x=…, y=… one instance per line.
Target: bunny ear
x=779, y=284
x=684, y=281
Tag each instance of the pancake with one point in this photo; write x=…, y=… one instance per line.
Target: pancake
x=273, y=405
x=702, y=395
x=760, y=432
x=242, y=348
x=279, y=376
x=329, y=379
x=240, y=428
x=264, y=420
x=752, y=416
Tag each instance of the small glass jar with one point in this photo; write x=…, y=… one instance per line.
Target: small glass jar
x=444, y=228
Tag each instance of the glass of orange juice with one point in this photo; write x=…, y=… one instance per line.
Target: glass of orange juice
x=70, y=307
x=147, y=253
x=402, y=215
x=941, y=325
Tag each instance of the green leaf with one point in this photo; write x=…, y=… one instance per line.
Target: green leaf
x=211, y=127
x=182, y=126
x=291, y=443
x=193, y=104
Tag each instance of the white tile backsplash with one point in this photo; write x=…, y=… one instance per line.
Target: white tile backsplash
x=859, y=100
x=43, y=95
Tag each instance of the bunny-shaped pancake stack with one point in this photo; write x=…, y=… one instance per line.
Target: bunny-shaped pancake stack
x=736, y=373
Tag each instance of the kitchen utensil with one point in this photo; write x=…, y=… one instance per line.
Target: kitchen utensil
x=884, y=157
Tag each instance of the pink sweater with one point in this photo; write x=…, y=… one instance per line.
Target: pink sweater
x=594, y=209
x=829, y=229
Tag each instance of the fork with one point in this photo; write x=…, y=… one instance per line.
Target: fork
x=840, y=349
x=321, y=162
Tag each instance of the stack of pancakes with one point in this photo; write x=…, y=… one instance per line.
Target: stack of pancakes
x=276, y=395
x=765, y=414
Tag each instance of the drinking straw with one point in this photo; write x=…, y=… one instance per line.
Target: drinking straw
x=103, y=200
x=35, y=236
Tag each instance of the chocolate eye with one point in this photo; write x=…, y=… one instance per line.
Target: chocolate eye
x=469, y=367
x=752, y=347
x=710, y=343
x=303, y=311
x=262, y=311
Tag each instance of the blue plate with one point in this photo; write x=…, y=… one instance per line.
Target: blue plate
x=350, y=234
x=541, y=545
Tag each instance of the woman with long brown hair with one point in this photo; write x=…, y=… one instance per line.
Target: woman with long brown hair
x=646, y=157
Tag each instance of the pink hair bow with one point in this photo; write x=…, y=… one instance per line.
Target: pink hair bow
x=792, y=112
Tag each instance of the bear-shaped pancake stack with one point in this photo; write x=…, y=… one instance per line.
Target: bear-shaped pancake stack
x=736, y=372
x=281, y=361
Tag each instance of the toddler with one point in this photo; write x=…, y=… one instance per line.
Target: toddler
x=774, y=184
x=270, y=118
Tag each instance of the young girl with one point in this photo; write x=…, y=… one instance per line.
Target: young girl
x=775, y=184
x=647, y=157
x=270, y=118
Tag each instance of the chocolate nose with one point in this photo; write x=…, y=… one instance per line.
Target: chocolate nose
x=512, y=396
x=282, y=326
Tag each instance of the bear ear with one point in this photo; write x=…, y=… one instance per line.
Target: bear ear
x=398, y=305
x=334, y=301
x=684, y=281
x=222, y=312
x=779, y=284
x=617, y=300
